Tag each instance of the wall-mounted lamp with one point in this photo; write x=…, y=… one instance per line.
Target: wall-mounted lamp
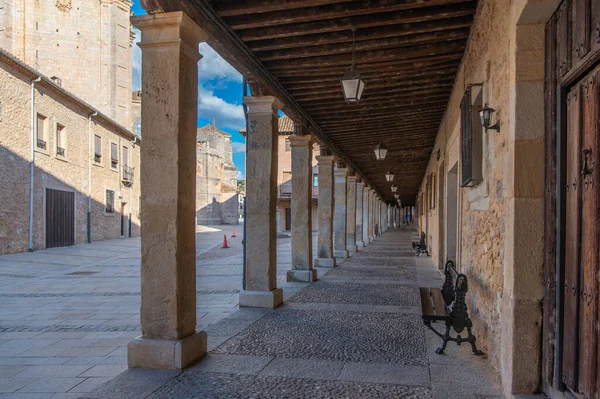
x=486, y=118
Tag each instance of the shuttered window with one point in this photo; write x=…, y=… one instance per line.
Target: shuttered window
x=114, y=155
x=471, y=137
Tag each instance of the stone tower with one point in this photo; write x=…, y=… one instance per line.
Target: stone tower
x=86, y=44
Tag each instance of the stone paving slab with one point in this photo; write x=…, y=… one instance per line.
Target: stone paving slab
x=359, y=293
x=215, y=385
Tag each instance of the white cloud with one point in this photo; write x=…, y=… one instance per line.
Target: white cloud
x=238, y=147
x=212, y=66
x=228, y=115
x=136, y=67
x=240, y=175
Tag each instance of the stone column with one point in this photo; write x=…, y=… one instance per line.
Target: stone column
x=260, y=288
x=371, y=215
x=302, y=259
x=170, y=57
x=377, y=216
x=325, y=256
x=339, y=216
x=359, y=214
x=351, y=215
x=366, y=214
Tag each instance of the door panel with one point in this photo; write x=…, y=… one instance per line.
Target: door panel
x=572, y=238
x=60, y=218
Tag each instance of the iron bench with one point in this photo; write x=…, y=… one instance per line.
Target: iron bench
x=448, y=305
x=420, y=246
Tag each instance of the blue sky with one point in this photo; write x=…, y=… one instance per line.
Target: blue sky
x=219, y=94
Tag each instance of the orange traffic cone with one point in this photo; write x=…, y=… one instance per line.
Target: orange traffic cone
x=233, y=232
x=225, y=241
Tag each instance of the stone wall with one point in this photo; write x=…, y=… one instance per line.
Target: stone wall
x=505, y=53
x=87, y=44
x=69, y=173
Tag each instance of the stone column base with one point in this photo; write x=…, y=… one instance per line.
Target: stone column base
x=325, y=262
x=340, y=253
x=352, y=250
x=304, y=276
x=261, y=299
x=360, y=244
x=166, y=354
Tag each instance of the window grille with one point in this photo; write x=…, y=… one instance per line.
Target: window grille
x=97, y=148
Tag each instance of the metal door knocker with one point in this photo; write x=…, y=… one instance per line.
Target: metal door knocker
x=586, y=169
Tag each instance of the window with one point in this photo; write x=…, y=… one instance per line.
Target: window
x=433, y=191
x=315, y=180
x=114, y=155
x=288, y=146
x=41, y=132
x=97, y=148
x=471, y=136
x=61, y=140
x=110, y=201
x=125, y=158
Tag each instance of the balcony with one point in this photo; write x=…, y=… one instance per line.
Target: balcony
x=41, y=144
x=97, y=157
x=127, y=177
x=114, y=163
x=60, y=151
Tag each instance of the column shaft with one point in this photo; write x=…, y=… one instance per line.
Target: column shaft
x=168, y=179
x=339, y=216
x=366, y=213
x=260, y=288
x=325, y=256
x=302, y=258
x=351, y=215
x=359, y=214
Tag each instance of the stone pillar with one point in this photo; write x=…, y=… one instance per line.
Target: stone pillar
x=325, y=256
x=170, y=57
x=371, y=215
x=366, y=213
x=359, y=214
x=351, y=215
x=377, y=216
x=260, y=288
x=339, y=216
x=302, y=259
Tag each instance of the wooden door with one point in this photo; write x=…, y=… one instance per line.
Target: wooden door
x=580, y=346
x=60, y=218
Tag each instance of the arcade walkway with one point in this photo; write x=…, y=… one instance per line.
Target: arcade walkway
x=356, y=333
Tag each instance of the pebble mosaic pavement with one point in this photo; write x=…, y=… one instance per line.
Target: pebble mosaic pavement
x=356, y=333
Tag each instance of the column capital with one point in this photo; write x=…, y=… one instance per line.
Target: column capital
x=352, y=179
x=262, y=104
x=359, y=184
x=166, y=28
x=325, y=160
x=301, y=140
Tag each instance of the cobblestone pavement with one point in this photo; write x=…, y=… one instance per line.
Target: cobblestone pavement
x=356, y=333
x=67, y=314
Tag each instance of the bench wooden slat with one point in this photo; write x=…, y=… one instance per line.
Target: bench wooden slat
x=426, y=305
x=438, y=302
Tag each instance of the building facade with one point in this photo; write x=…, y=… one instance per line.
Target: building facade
x=217, y=199
x=84, y=45
x=84, y=166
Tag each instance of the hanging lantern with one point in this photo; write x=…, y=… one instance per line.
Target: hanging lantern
x=393, y=188
x=352, y=84
x=380, y=152
x=389, y=176
x=396, y=196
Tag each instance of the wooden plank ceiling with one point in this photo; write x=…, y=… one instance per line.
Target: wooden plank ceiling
x=408, y=52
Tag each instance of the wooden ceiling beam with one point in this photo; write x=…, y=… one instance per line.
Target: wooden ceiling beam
x=374, y=86
x=392, y=126
x=374, y=33
x=385, y=66
x=340, y=108
x=359, y=21
x=329, y=11
x=227, y=8
x=374, y=56
x=367, y=45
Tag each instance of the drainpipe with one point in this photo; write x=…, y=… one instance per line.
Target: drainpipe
x=132, y=146
x=32, y=163
x=89, y=208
